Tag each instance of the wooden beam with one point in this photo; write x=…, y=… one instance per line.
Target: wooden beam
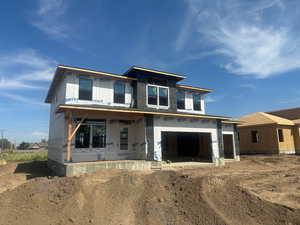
x=69, y=132
x=77, y=127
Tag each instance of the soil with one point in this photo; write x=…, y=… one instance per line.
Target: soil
x=258, y=190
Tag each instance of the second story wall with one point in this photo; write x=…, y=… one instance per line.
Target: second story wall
x=102, y=91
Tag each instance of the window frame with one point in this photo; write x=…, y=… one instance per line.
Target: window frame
x=157, y=96
x=200, y=96
x=92, y=85
x=120, y=133
x=280, y=135
x=114, y=94
x=91, y=125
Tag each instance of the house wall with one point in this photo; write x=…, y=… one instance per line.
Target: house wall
x=173, y=124
x=288, y=145
x=57, y=126
x=267, y=144
x=103, y=91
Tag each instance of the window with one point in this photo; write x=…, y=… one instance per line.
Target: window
x=254, y=136
x=82, y=139
x=158, y=95
x=197, y=102
x=99, y=136
x=124, y=138
x=152, y=95
x=91, y=134
x=119, y=92
x=163, y=96
x=85, y=89
x=280, y=135
x=180, y=100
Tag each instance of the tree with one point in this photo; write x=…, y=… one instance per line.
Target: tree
x=23, y=146
x=5, y=144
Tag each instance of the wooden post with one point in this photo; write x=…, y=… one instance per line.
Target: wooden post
x=69, y=140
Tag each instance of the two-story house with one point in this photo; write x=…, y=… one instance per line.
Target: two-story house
x=142, y=115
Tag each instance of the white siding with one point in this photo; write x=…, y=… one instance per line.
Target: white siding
x=103, y=92
x=183, y=125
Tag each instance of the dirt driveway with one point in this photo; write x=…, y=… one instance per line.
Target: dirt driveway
x=257, y=190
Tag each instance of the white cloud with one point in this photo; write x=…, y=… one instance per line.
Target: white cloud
x=22, y=99
x=24, y=68
x=252, y=40
x=48, y=18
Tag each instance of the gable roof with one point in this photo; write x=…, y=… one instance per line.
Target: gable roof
x=261, y=118
x=291, y=114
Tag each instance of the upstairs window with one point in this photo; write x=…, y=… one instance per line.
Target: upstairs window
x=280, y=135
x=85, y=89
x=158, y=96
x=152, y=95
x=254, y=136
x=180, y=100
x=163, y=96
x=119, y=92
x=197, y=102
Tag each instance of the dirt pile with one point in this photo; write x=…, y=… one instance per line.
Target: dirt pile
x=136, y=198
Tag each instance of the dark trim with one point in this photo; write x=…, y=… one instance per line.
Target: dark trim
x=150, y=136
x=236, y=140
x=220, y=138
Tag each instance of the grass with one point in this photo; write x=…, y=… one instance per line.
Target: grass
x=11, y=156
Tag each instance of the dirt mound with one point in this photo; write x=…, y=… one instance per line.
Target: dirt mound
x=129, y=198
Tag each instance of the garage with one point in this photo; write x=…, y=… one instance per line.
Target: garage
x=186, y=146
x=228, y=146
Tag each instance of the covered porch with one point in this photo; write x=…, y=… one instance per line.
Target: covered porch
x=103, y=135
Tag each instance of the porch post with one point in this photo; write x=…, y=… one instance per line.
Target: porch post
x=69, y=140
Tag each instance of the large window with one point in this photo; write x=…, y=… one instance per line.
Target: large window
x=280, y=135
x=197, y=102
x=254, y=136
x=91, y=134
x=158, y=96
x=85, y=89
x=119, y=92
x=124, y=138
x=180, y=100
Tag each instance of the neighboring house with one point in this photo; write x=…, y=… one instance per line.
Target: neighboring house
x=143, y=114
x=267, y=133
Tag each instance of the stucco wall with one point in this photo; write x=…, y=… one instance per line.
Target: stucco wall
x=183, y=125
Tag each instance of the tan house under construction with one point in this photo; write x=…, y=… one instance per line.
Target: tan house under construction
x=270, y=133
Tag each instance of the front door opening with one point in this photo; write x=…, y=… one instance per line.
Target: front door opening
x=186, y=146
x=228, y=146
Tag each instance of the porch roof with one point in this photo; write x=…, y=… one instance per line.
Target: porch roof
x=63, y=108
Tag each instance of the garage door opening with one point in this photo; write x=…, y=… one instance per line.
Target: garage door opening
x=228, y=146
x=186, y=146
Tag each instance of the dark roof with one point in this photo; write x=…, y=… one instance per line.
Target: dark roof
x=134, y=70
x=291, y=114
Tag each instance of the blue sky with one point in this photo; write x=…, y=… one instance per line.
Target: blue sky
x=248, y=51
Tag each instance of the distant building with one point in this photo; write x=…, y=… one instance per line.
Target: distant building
x=270, y=133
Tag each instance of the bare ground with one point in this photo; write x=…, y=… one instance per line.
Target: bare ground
x=257, y=190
